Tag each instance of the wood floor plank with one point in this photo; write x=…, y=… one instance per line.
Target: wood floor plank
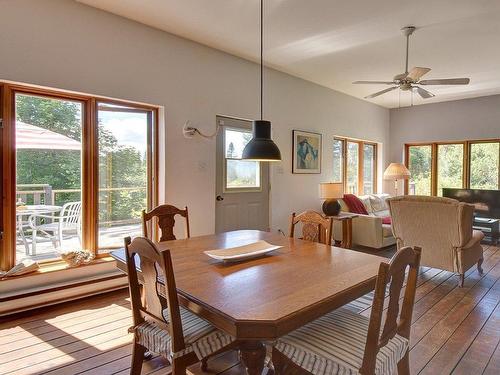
x=446, y=358
x=481, y=350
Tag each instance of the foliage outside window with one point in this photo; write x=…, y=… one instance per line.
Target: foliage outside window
x=435, y=166
x=239, y=174
x=355, y=164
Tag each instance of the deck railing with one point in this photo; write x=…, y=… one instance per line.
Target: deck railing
x=44, y=194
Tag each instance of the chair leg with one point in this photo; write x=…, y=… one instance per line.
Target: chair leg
x=479, y=264
x=33, y=242
x=137, y=358
x=461, y=280
x=178, y=367
x=404, y=364
x=204, y=364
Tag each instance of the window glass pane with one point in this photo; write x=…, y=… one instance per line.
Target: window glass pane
x=420, y=163
x=242, y=174
x=450, y=167
x=48, y=176
x=235, y=142
x=368, y=168
x=484, y=165
x=352, y=167
x=123, y=173
x=338, y=161
x=239, y=173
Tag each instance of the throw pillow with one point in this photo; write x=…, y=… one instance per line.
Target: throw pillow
x=354, y=204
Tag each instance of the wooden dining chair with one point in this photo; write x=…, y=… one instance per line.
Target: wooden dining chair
x=315, y=226
x=160, y=325
x=165, y=217
x=343, y=342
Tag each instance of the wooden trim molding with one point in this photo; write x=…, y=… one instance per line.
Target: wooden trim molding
x=360, y=179
x=90, y=162
x=466, y=167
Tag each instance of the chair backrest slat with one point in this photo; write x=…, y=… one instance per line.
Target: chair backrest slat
x=71, y=212
x=164, y=217
x=315, y=226
x=392, y=275
x=155, y=266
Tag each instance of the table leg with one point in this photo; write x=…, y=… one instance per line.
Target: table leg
x=253, y=355
x=21, y=233
x=346, y=234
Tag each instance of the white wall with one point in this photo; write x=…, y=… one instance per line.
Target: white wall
x=63, y=44
x=477, y=118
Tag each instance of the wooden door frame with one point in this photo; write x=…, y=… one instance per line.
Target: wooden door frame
x=90, y=162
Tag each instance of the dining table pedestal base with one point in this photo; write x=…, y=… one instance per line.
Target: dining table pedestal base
x=253, y=356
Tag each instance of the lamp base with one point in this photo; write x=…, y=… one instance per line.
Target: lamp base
x=331, y=207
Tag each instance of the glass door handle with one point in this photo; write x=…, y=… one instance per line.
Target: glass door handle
x=219, y=198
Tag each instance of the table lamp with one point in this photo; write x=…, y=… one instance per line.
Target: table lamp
x=331, y=191
x=396, y=171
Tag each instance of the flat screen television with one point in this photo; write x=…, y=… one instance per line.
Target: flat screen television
x=487, y=202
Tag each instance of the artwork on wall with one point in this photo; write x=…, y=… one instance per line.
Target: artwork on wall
x=306, y=152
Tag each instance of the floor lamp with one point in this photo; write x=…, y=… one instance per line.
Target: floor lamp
x=396, y=171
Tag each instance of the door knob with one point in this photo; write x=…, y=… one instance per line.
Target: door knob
x=219, y=198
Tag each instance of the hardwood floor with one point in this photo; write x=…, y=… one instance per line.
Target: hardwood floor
x=454, y=330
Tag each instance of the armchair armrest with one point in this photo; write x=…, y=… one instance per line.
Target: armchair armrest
x=476, y=238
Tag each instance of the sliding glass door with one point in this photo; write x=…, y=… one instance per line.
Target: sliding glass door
x=124, y=136
x=77, y=171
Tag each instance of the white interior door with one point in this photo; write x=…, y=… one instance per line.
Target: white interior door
x=242, y=191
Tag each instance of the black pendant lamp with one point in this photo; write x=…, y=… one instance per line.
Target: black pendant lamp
x=261, y=147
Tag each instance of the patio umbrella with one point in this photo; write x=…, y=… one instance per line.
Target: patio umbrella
x=33, y=137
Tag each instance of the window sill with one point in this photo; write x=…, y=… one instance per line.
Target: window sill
x=56, y=266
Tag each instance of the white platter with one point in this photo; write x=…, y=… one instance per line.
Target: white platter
x=239, y=253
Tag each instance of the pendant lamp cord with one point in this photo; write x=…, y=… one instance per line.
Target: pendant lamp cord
x=261, y=58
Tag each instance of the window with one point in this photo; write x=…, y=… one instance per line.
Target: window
x=484, y=165
x=419, y=165
x=78, y=181
x=450, y=166
x=355, y=164
x=467, y=164
x=239, y=174
x=369, y=169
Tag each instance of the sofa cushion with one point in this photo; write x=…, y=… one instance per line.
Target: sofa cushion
x=355, y=205
x=365, y=199
x=384, y=213
x=378, y=202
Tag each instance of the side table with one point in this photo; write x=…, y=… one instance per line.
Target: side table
x=346, y=219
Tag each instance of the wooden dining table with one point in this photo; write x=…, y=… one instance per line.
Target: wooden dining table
x=259, y=300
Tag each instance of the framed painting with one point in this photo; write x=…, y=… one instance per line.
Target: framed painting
x=306, y=152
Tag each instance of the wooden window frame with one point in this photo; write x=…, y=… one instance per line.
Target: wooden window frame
x=361, y=145
x=434, y=160
x=90, y=162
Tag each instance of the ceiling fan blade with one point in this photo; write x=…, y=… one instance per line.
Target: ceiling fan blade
x=417, y=72
x=373, y=82
x=381, y=92
x=445, y=81
x=423, y=92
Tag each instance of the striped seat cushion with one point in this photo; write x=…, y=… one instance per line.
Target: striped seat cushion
x=199, y=336
x=335, y=344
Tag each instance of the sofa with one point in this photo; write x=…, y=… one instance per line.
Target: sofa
x=369, y=230
x=442, y=227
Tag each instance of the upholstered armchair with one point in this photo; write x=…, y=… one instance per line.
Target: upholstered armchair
x=442, y=227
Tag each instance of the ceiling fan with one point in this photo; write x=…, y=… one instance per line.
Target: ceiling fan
x=409, y=80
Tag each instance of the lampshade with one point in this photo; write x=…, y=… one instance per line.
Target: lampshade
x=331, y=190
x=396, y=171
x=261, y=147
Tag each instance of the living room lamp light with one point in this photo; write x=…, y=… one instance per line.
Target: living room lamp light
x=261, y=147
x=331, y=191
x=396, y=171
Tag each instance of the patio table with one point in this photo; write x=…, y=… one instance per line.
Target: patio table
x=29, y=210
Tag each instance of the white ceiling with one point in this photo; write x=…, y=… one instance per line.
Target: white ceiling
x=333, y=42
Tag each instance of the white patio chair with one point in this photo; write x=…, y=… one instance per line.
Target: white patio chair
x=69, y=219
